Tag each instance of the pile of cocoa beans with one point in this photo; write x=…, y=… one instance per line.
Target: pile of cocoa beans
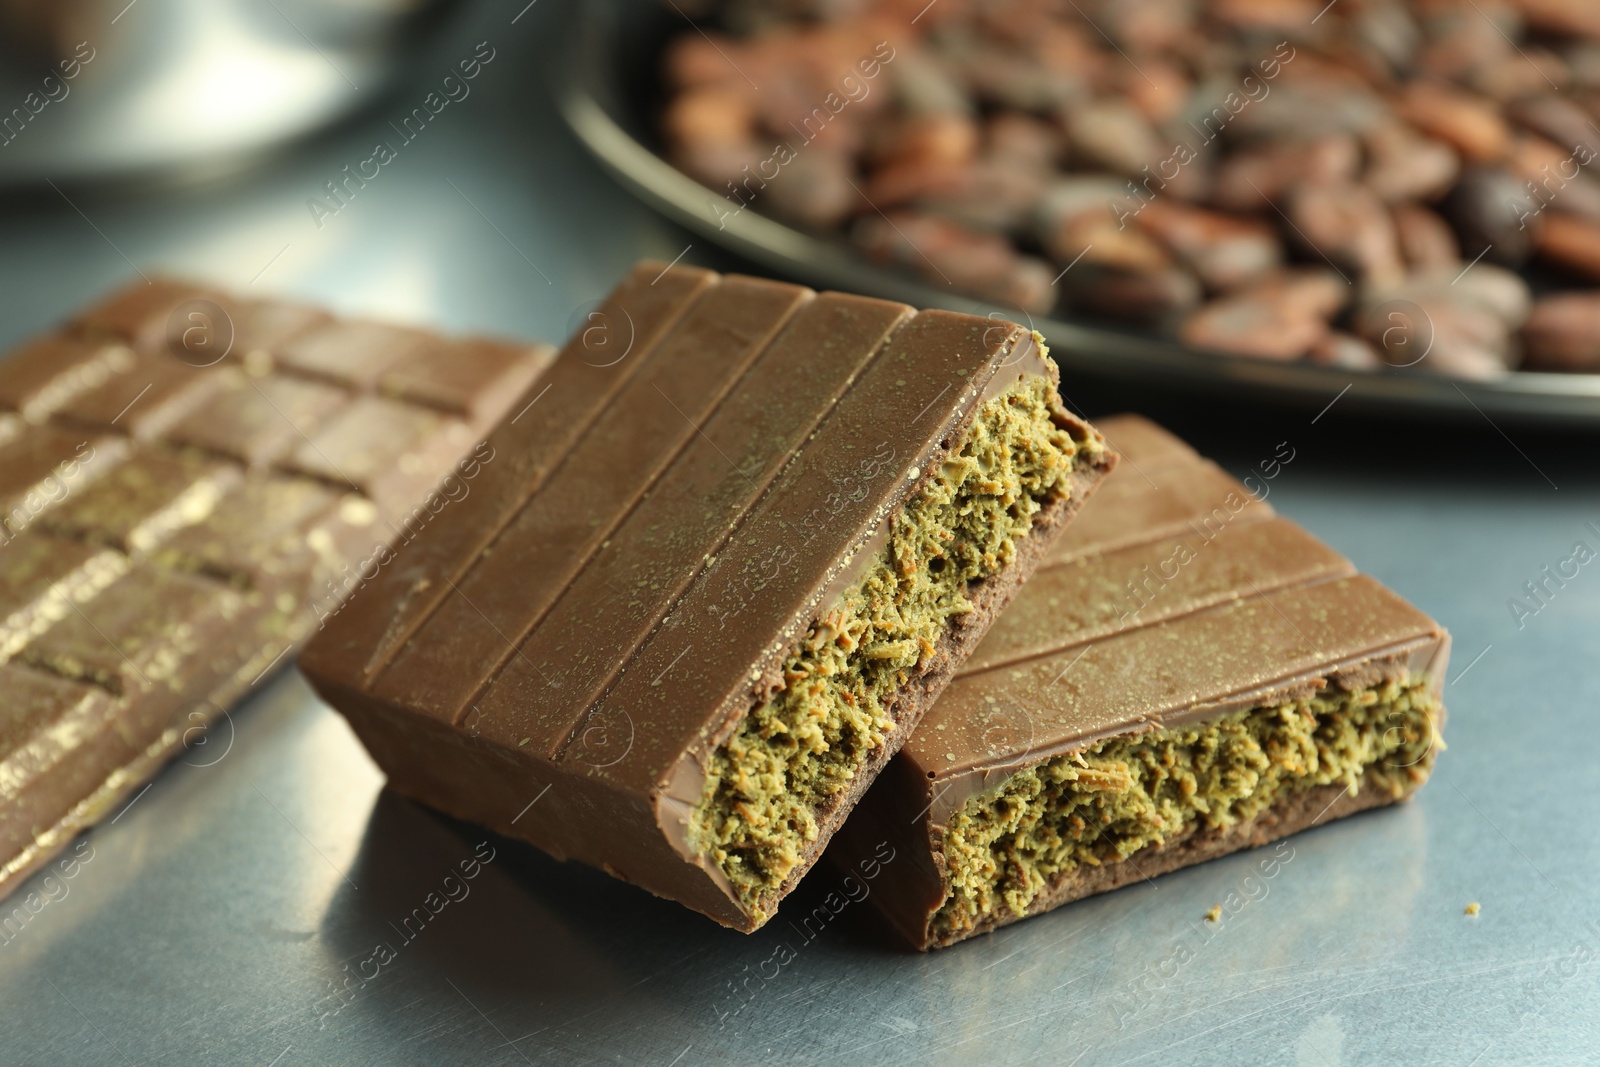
x=1369, y=184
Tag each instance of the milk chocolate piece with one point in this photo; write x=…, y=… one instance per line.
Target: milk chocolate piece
x=45, y=578
x=140, y=315
x=390, y=450
x=50, y=371
x=354, y=353
x=144, y=401
x=255, y=532
x=154, y=563
x=259, y=420
x=730, y=546
x=1186, y=676
x=476, y=372
x=139, y=502
x=57, y=738
x=41, y=466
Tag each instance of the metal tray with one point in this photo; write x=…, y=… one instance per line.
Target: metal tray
x=605, y=90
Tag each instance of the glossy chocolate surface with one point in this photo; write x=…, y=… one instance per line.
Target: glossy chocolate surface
x=178, y=516
x=1178, y=595
x=671, y=513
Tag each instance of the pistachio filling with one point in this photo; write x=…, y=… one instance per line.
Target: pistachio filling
x=805, y=745
x=1006, y=846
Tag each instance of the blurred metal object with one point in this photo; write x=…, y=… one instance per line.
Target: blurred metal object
x=94, y=88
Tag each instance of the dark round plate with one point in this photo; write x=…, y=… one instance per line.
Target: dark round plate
x=606, y=90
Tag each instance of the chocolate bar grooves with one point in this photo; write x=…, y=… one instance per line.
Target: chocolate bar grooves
x=735, y=528
x=1288, y=584
x=515, y=641
x=395, y=642
x=404, y=595
x=595, y=495
x=740, y=526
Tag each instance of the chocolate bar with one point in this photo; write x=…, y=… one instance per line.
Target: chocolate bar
x=187, y=480
x=1187, y=675
x=742, y=535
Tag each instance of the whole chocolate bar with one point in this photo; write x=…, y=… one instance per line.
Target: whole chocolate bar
x=1186, y=676
x=742, y=535
x=180, y=502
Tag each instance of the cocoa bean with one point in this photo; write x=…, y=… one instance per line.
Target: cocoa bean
x=1520, y=74
x=1563, y=333
x=1148, y=27
x=1402, y=164
x=1495, y=289
x=722, y=167
x=1570, y=242
x=1559, y=119
x=1007, y=78
x=988, y=195
x=948, y=254
x=1460, y=39
x=898, y=184
x=1460, y=324
x=1579, y=17
x=1553, y=176
x=1426, y=240
x=925, y=84
x=1389, y=30
x=1281, y=319
x=935, y=139
x=1484, y=286
x=1098, y=239
x=1223, y=250
x=1437, y=335
x=1254, y=325
x=1467, y=122
x=1302, y=105
x=1583, y=60
x=695, y=62
x=1078, y=194
x=1276, y=16
x=1143, y=296
x=814, y=188
x=1308, y=290
x=1157, y=88
x=709, y=116
x=1113, y=134
x=1024, y=141
x=1251, y=179
x=1491, y=210
x=1350, y=227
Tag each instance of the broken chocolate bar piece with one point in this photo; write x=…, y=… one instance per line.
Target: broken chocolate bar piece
x=1187, y=675
x=742, y=535
x=175, y=521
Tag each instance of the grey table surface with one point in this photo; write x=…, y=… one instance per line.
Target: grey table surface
x=228, y=914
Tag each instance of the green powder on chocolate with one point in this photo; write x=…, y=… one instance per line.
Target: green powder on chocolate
x=1006, y=846
x=798, y=751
